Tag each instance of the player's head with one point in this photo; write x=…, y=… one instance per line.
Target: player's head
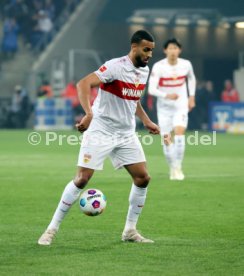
x=173, y=41
x=142, y=44
x=172, y=48
x=228, y=84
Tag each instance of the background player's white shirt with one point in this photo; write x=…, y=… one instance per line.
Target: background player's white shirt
x=166, y=79
x=122, y=86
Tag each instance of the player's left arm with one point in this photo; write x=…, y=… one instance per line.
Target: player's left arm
x=140, y=112
x=192, y=88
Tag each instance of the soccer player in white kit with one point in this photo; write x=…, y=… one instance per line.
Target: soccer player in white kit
x=173, y=82
x=110, y=132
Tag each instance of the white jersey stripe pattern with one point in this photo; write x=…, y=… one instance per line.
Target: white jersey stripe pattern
x=167, y=79
x=121, y=88
x=172, y=82
x=128, y=91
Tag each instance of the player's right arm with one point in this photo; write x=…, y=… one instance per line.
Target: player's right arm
x=153, y=86
x=84, y=93
x=192, y=87
x=103, y=75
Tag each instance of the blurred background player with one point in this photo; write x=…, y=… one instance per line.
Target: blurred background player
x=173, y=82
x=110, y=126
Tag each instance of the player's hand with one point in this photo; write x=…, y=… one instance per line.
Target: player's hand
x=84, y=123
x=172, y=96
x=153, y=128
x=191, y=103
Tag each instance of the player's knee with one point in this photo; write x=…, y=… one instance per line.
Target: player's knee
x=82, y=179
x=142, y=180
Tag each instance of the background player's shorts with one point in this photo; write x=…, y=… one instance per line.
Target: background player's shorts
x=97, y=145
x=169, y=120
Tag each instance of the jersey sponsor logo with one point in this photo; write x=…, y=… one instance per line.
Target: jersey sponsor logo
x=132, y=92
x=172, y=82
x=124, y=90
x=103, y=68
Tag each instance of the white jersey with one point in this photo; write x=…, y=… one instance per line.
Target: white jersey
x=167, y=79
x=121, y=88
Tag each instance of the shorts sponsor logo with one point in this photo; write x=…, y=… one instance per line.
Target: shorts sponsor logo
x=87, y=158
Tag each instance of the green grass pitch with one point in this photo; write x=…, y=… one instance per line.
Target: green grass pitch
x=197, y=224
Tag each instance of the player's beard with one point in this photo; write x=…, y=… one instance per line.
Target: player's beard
x=139, y=62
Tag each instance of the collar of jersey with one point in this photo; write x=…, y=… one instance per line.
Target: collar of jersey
x=131, y=66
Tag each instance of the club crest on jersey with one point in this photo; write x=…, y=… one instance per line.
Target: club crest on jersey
x=137, y=79
x=87, y=158
x=103, y=68
x=137, y=82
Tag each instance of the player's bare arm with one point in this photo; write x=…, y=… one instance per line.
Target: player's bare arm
x=152, y=127
x=84, y=91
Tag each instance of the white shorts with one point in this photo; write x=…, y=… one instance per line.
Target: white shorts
x=169, y=120
x=96, y=146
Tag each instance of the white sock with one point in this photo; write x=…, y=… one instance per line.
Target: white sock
x=179, y=149
x=69, y=196
x=169, y=153
x=136, y=202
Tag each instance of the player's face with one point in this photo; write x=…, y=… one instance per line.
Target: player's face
x=143, y=52
x=172, y=52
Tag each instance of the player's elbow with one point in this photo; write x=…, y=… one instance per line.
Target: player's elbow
x=83, y=85
x=80, y=84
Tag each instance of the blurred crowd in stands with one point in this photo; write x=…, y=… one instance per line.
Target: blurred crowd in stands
x=16, y=113
x=33, y=20
x=36, y=22
x=19, y=110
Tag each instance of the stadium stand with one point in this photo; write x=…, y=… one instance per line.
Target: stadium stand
x=26, y=28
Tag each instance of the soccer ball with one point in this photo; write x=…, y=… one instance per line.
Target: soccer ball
x=92, y=202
